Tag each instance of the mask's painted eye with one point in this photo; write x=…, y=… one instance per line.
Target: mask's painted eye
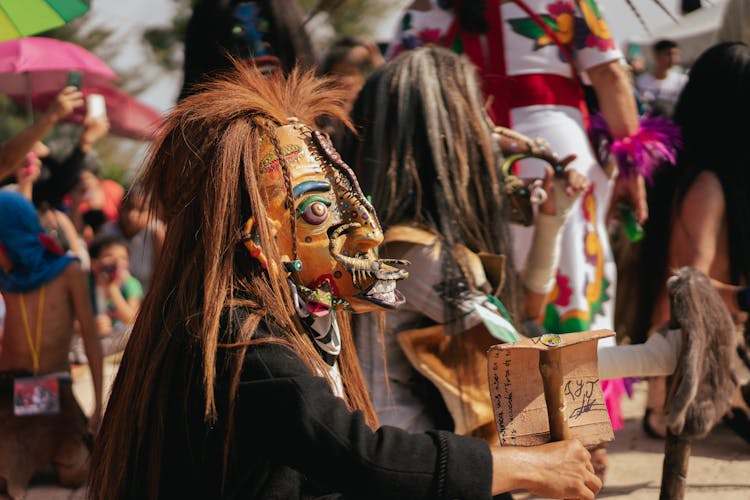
x=314, y=210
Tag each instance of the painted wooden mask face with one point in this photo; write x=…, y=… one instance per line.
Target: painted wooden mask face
x=337, y=231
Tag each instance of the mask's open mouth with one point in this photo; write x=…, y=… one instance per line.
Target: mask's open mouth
x=382, y=291
x=375, y=277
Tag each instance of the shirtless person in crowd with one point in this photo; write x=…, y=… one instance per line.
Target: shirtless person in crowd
x=44, y=292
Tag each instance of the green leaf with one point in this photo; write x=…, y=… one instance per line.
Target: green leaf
x=530, y=29
x=406, y=22
x=526, y=27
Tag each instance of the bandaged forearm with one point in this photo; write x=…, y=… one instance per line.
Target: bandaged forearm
x=544, y=254
x=657, y=357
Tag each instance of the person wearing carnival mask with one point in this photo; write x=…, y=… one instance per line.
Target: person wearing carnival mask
x=241, y=379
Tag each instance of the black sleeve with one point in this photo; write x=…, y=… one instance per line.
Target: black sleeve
x=298, y=422
x=59, y=178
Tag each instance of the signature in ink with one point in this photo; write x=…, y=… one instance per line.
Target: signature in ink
x=585, y=391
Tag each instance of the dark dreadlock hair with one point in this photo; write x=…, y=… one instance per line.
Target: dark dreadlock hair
x=427, y=157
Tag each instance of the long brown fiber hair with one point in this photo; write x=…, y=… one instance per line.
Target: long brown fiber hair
x=426, y=154
x=202, y=177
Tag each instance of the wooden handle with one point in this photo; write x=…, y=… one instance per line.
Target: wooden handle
x=550, y=366
x=674, y=471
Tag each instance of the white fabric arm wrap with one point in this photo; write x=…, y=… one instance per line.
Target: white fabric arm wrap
x=544, y=254
x=657, y=357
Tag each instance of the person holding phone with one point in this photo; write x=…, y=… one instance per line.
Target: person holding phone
x=13, y=152
x=56, y=177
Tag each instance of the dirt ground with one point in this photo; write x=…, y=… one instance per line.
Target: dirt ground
x=719, y=465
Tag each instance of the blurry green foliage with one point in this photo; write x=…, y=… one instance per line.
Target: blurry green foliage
x=351, y=17
x=165, y=42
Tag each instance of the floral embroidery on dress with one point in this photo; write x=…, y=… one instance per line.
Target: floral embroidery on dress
x=596, y=294
x=599, y=36
x=411, y=38
x=589, y=31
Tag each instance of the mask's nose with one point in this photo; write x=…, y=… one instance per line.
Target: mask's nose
x=361, y=234
x=366, y=233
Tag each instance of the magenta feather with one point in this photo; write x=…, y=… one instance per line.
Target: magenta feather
x=654, y=144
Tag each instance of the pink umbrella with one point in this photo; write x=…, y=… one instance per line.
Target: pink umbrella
x=128, y=117
x=32, y=65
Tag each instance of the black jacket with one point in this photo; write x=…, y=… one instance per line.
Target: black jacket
x=294, y=439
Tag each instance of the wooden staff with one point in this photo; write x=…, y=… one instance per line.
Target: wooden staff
x=674, y=471
x=676, y=448
x=550, y=366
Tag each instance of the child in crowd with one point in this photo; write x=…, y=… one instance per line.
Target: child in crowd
x=118, y=293
x=44, y=292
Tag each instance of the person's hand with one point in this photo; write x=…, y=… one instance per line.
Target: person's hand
x=103, y=324
x=562, y=191
x=65, y=102
x=94, y=128
x=575, y=183
x=631, y=191
x=376, y=57
x=565, y=471
x=555, y=470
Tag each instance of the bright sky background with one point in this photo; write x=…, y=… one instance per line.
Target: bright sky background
x=129, y=17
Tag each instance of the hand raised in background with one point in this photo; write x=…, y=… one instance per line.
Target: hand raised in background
x=67, y=100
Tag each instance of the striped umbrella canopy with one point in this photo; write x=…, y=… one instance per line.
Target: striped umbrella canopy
x=20, y=18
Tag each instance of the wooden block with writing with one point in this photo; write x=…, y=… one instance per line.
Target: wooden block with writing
x=517, y=389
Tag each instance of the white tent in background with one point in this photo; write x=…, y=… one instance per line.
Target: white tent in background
x=694, y=33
